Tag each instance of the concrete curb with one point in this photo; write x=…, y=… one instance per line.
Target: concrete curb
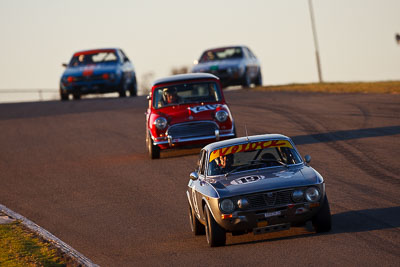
x=82, y=260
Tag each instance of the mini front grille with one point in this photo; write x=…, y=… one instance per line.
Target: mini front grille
x=270, y=199
x=192, y=129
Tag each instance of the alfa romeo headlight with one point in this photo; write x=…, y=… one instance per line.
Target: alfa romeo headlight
x=312, y=194
x=297, y=195
x=221, y=115
x=160, y=123
x=227, y=206
x=243, y=203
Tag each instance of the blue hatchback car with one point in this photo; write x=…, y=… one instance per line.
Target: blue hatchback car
x=98, y=71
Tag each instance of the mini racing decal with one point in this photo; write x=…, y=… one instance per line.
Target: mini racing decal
x=248, y=147
x=198, y=109
x=247, y=180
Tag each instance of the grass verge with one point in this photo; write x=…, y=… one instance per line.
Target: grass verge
x=20, y=247
x=388, y=87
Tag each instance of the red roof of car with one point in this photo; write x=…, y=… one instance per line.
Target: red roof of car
x=94, y=51
x=185, y=77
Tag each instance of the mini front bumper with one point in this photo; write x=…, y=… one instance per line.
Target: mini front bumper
x=170, y=141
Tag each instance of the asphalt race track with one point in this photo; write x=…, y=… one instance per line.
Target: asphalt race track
x=80, y=170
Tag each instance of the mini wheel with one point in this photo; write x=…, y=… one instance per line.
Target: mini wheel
x=154, y=150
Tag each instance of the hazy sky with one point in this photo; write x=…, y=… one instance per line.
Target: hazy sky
x=356, y=37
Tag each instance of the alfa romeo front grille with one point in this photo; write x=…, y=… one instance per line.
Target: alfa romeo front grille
x=270, y=199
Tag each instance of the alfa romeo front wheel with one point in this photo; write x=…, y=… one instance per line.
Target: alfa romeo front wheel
x=216, y=235
x=195, y=224
x=322, y=221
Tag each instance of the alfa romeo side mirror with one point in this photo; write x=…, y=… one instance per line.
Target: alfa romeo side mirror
x=307, y=158
x=194, y=176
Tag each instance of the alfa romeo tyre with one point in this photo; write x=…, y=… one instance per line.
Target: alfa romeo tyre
x=195, y=224
x=322, y=221
x=216, y=235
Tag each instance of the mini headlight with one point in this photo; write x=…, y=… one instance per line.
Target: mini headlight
x=297, y=195
x=227, y=206
x=160, y=123
x=221, y=115
x=312, y=194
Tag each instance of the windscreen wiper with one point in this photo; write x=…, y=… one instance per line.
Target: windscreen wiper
x=256, y=162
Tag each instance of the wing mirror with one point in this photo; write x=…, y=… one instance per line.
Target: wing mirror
x=307, y=158
x=64, y=65
x=194, y=176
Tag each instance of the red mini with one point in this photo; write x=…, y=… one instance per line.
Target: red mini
x=186, y=110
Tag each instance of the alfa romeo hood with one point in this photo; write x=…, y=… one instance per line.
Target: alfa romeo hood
x=265, y=180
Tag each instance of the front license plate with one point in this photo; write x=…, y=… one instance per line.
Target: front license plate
x=272, y=214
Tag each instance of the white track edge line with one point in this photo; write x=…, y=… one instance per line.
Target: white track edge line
x=81, y=259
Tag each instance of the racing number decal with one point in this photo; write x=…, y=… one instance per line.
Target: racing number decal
x=247, y=180
x=198, y=109
x=196, y=208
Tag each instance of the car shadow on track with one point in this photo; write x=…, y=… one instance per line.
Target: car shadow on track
x=354, y=221
x=58, y=108
x=311, y=138
x=175, y=153
x=346, y=135
x=366, y=220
